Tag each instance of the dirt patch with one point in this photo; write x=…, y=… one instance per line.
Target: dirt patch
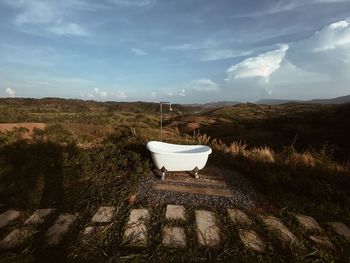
x=192, y=126
x=28, y=125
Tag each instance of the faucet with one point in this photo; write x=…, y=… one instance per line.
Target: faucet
x=161, y=117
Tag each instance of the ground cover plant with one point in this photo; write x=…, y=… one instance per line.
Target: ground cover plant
x=78, y=163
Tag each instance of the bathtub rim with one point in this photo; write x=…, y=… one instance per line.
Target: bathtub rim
x=153, y=149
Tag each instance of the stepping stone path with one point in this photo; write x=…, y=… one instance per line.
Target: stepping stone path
x=208, y=233
x=175, y=212
x=341, y=229
x=174, y=237
x=252, y=240
x=57, y=232
x=311, y=224
x=249, y=237
x=239, y=218
x=16, y=238
x=39, y=216
x=9, y=217
x=192, y=190
x=103, y=215
x=308, y=222
x=93, y=231
x=136, y=230
x=323, y=242
x=283, y=233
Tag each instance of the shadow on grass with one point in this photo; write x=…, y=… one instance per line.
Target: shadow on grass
x=31, y=175
x=319, y=192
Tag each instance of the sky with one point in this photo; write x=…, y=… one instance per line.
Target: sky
x=183, y=51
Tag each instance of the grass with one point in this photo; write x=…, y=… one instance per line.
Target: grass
x=86, y=159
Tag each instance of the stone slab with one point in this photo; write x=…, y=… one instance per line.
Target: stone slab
x=341, y=229
x=174, y=237
x=16, y=238
x=239, y=218
x=136, y=232
x=252, y=240
x=192, y=190
x=59, y=229
x=323, y=241
x=175, y=212
x=308, y=222
x=208, y=233
x=202, y=174
x=283, y=233
x=104, y=214
x=39, y=216
x=93, y=231
x=9, y=217
x=191, y=180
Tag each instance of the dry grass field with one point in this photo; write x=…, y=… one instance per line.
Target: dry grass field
x=88, y=154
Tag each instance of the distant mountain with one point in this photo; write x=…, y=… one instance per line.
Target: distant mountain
x=337, y=100
x=275, y=101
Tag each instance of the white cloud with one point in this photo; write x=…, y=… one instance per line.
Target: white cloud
x=43, y=17
x=139, y=52
x=68, y=29
x=101, y=93
x=120, y=94
x=320, y=65
x=262, y=65
x=203, y=85
x=326, y=51
x=177, y=93
x=10, y=92
x=332, y=36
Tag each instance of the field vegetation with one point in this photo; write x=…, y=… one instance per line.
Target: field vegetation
x=89, y=153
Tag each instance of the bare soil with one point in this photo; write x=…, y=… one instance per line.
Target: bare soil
x=28, y=125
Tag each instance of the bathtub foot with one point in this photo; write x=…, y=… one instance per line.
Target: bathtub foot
x=196, y=170
x=163, y=170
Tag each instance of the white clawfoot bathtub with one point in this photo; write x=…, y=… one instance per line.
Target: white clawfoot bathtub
x=175, y=157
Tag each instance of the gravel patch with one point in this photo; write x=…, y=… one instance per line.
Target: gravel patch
x=244, y=195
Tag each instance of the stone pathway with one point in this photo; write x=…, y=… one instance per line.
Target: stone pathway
x=175, y=212
x=136, y=232
x=282, y=232
x=252, y=240
x=103, y=215
x=58, y=231
x=174, y=236
x=9, y=217
x=310, y=224
x=208, y=233
x=174, y=233
x=341, y=229
x=99, y=223
x=249, y=237
x=239, y=218
x=322, y=241
x=39, y=216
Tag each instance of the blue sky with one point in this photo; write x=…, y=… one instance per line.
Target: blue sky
x=185, y=51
